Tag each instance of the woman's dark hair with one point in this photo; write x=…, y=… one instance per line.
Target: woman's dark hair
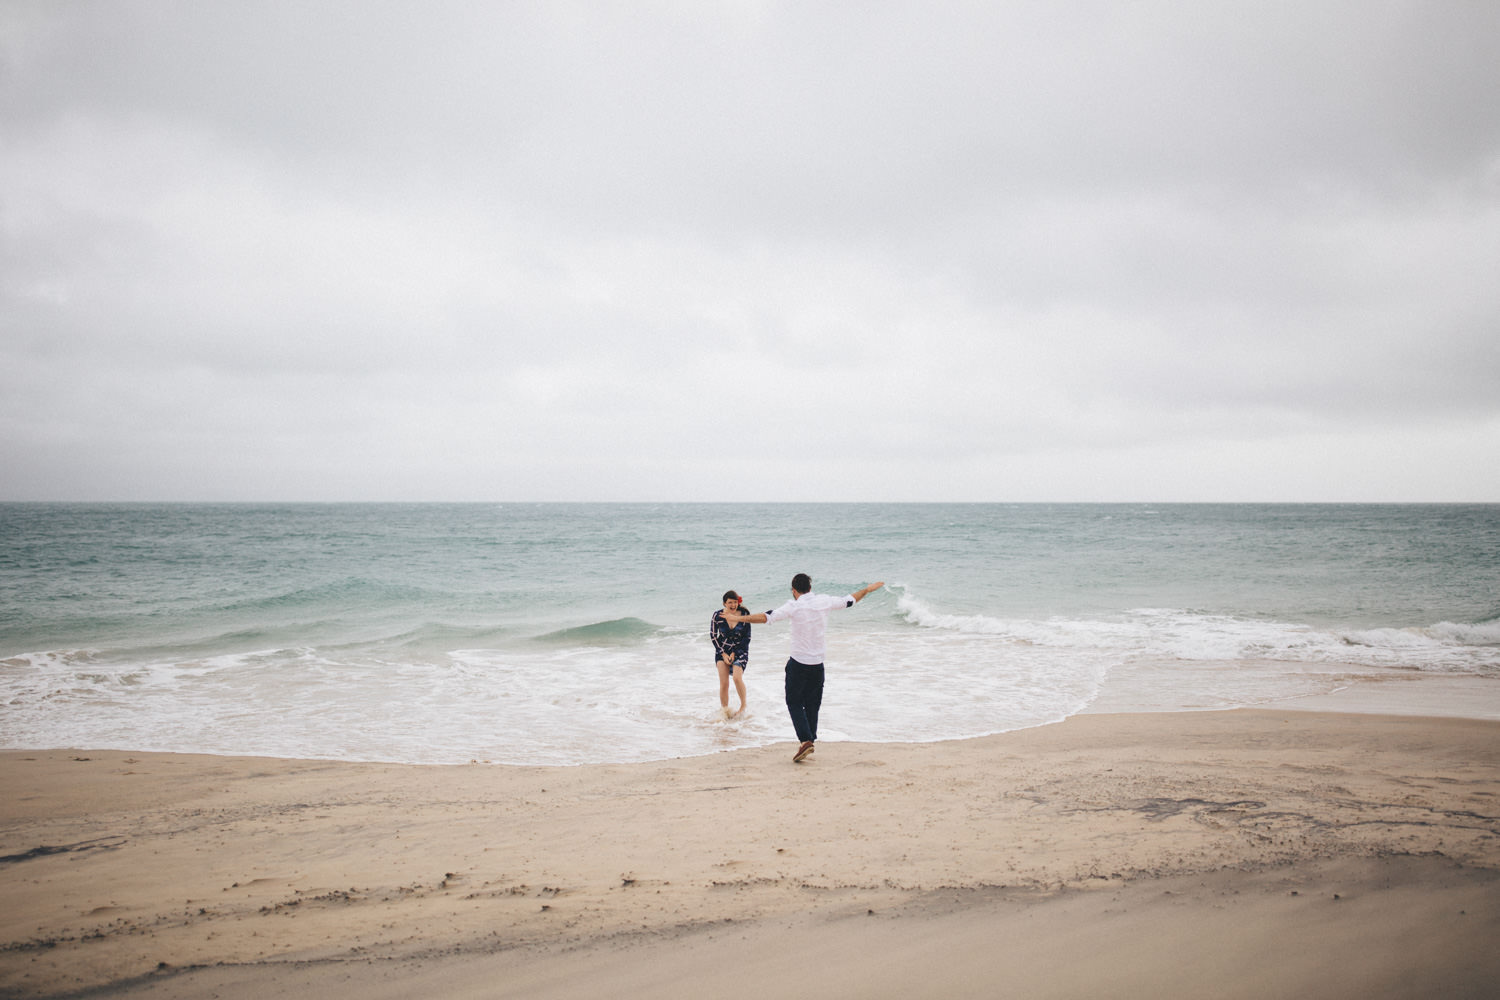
x=727, y=595
x=802, y=583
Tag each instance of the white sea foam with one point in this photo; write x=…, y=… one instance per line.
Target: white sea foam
x=928, y=675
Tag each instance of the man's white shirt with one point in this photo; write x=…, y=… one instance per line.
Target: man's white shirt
x=808, y=615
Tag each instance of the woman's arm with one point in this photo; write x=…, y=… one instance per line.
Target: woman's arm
x=718, y=632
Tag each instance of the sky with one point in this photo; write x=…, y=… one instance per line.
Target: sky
x=750, y=251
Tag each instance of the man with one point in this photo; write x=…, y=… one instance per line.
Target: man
x=808, y=614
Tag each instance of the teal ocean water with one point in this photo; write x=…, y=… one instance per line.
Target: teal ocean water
x=577, y=633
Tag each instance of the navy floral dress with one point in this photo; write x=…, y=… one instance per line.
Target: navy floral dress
x=730, y=640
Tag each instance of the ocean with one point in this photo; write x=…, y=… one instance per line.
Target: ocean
x=562, y=633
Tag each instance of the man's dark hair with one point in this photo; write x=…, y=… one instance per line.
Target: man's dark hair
x=802, y=583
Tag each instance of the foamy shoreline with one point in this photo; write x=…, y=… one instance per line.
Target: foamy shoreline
x=1039, y=858
x=701, y=732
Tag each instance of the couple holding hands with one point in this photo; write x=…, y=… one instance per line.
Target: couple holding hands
x=807, y=612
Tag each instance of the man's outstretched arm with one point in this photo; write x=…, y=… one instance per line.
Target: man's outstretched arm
x=863, y=592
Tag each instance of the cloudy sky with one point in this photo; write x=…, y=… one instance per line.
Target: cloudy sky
x=749, y=250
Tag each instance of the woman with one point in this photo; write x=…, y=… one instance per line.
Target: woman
x=731, y=652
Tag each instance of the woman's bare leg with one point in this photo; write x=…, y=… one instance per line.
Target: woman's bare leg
x=724, y=686
x=739, y=688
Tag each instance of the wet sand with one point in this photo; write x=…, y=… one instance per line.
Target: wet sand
x=1228, y=854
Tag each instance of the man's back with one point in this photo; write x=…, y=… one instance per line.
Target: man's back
x=808, y=616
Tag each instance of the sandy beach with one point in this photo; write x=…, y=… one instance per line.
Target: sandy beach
x=1248, y=853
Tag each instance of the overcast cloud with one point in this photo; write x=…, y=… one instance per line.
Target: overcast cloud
x=750, y=250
